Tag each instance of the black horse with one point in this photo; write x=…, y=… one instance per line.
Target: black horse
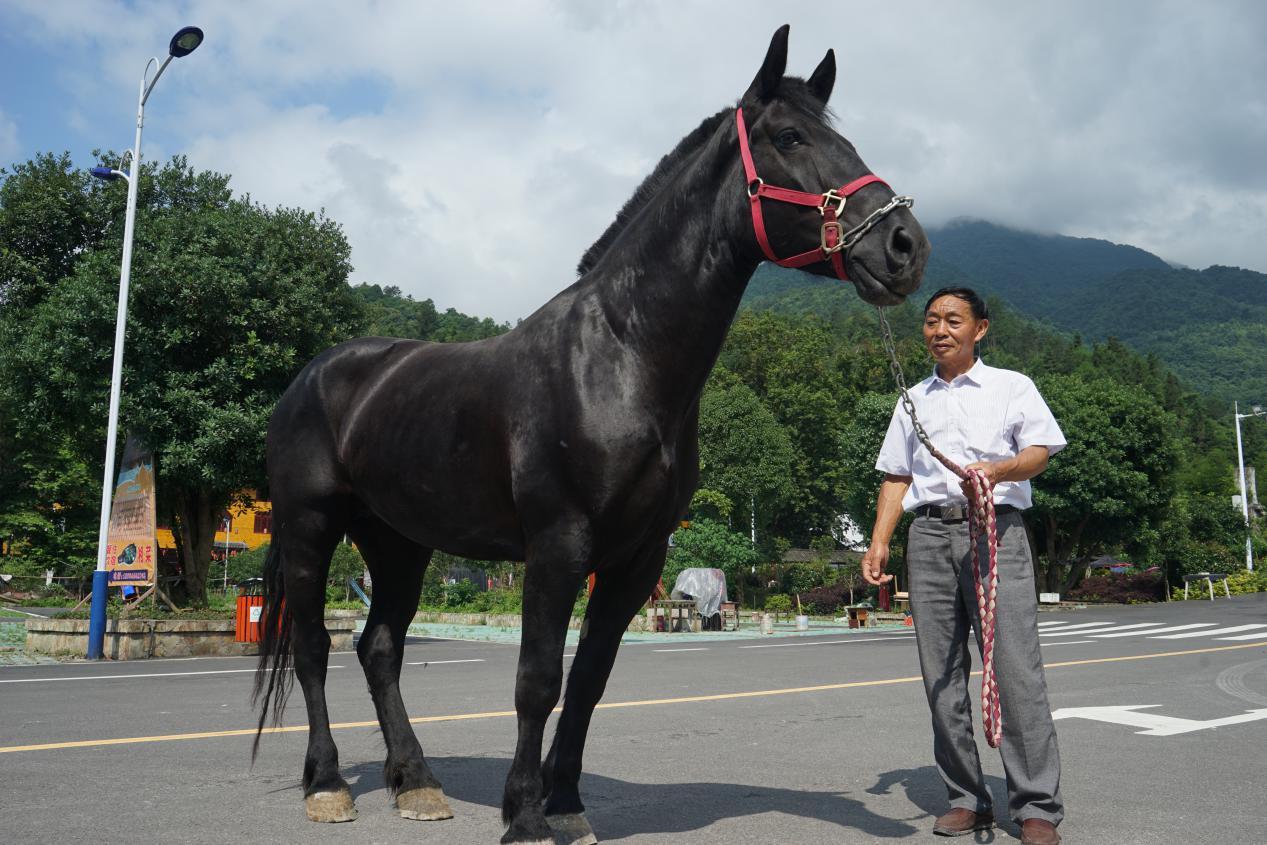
x=569, y=443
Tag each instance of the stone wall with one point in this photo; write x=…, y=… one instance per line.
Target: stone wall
x=138, y=639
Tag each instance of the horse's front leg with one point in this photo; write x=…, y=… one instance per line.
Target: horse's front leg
x=618, y=594
x=550, y=586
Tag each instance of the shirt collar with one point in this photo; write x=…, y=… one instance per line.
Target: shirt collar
x=976, y=375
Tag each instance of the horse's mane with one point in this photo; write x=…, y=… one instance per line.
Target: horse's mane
x=650, y=186
x=792, y=89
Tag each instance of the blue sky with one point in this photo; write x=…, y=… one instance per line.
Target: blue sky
x=1141, y=122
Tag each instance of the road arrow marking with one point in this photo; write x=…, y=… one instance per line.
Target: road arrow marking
x=1154, y=723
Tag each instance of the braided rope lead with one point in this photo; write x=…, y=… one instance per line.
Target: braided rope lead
x=981, y=525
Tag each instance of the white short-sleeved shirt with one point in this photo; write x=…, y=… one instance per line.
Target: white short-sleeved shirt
x=986, y=414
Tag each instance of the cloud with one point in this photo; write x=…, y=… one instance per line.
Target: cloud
x=473, y=151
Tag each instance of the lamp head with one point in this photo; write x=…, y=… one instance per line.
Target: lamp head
x=185, y=41
x=106, y=173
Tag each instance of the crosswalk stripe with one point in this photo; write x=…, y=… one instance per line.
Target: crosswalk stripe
x=1090, y=632
x=1258, y=636
x=1233, y=630
x=1159, y=630
x=1082, y=625
x=1068, y=632
x=1053, y=623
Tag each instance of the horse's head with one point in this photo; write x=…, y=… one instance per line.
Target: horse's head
x=813, y=202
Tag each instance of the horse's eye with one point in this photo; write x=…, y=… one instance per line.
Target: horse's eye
x=788, y=138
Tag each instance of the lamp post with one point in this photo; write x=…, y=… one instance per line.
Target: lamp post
x=184, y=42
x=1254, y=411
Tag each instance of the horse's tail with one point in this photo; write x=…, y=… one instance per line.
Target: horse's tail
x=273, y=677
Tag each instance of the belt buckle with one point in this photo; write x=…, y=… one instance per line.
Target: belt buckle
x=954, y=513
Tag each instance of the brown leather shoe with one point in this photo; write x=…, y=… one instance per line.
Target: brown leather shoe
x=960, y=821
x=1039, y=832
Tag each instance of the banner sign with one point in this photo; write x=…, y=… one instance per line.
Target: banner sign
x=131, y=546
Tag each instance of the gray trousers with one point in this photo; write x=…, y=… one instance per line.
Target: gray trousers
x=944, y=604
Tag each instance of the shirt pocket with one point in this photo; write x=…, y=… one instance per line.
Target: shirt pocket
x=989, y=433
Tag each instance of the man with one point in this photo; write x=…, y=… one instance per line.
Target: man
x=995, y=420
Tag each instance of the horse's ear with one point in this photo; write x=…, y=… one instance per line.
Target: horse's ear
x=823, y=78
x=771, y=73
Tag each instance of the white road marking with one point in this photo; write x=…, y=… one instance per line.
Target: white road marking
x=670, y=650
x=1087, y=632
x=434, y=662
x=1078, y=633
x=1159, y=630
x=826, y=642
x=1232, y=630
x=1258, y=636
x=139, y=675
x=1053, y=622
x=1068, y=642
x=1081, y=625
x=1155, y=724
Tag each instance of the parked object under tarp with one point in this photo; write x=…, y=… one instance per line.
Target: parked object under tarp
x=706, y=586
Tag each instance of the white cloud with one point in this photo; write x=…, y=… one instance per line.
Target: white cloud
x=473, y=151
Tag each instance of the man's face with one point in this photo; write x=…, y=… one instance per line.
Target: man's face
x=950, y=330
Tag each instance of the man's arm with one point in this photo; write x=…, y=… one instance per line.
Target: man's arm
x=888, y=512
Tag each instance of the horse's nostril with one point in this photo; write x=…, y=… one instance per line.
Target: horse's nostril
x=901, y=245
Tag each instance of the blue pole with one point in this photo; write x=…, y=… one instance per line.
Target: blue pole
x=97, y=620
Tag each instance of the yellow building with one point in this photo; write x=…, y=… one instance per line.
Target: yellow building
x=248, y=528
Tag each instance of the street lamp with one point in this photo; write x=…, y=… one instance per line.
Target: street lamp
x=184, y=42
x=1255, y=411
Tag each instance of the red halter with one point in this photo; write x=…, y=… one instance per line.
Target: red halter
x=833, y=243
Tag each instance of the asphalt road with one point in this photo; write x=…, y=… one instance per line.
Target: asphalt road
x=823, y=739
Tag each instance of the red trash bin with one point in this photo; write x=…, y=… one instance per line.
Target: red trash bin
x=250, y=611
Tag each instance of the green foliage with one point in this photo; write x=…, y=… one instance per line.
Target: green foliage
x=711, y=545
x=228, y=300
x=711, y=503
x=392, y=314
x=803, y=577
x=744, y=453
x=778, y=603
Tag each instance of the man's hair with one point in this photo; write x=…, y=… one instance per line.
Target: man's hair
x=968, y=295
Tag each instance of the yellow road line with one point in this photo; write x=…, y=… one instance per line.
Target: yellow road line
x=501, y=714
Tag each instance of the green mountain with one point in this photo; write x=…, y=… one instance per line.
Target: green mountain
x=1208, y=326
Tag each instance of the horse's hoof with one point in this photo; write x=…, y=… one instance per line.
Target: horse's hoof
x=572, y=829
x=426, y=803
x=330, y=806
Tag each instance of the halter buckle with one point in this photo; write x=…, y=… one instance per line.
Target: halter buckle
x=830, y=196
x=754, y=187
x=831, y=226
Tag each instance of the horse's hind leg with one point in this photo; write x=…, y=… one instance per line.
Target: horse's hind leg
x=309, y=541
x=618, y=595
x=397, y=566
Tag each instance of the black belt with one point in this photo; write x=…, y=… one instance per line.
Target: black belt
x=956, y=513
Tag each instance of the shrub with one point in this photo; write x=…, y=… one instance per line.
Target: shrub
x=778, y=603
x=1126, y=588
x=827, y=600
x=1238, y=583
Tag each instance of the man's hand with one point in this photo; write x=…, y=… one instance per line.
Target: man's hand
x=994, y=473
x=873, y=563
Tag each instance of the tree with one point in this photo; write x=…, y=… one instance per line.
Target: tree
x=710, y=544
x=229, y=300
x=50, y=215
x=744, y=453
x=1115, y=478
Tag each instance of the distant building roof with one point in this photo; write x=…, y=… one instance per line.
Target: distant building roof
x=837, y=557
